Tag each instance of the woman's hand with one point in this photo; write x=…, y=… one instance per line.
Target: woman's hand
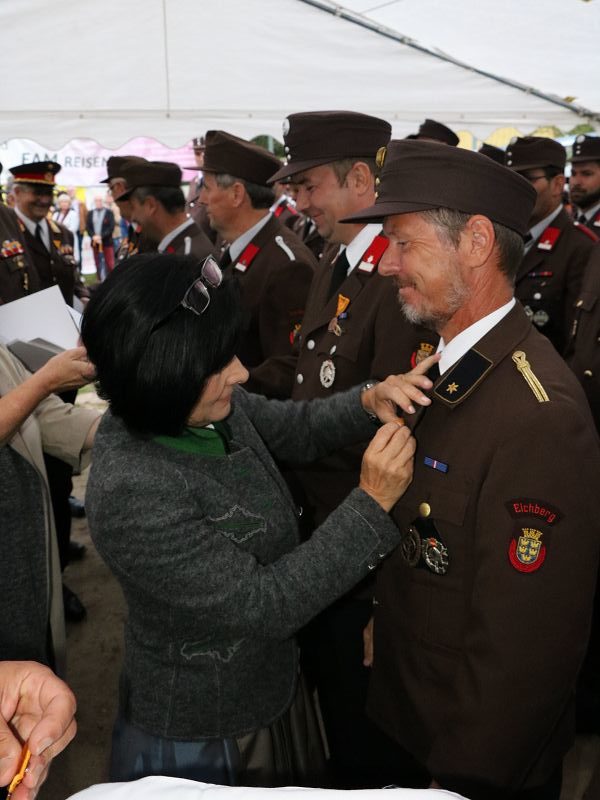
x=68, y=370
x=39, y=709
x=400, y=391
x=387, y=465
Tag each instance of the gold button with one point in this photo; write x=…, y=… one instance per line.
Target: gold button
x=578, y=304
x=424, y=509
x=588, y=373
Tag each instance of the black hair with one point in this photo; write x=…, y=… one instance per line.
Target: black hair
x=152, y=365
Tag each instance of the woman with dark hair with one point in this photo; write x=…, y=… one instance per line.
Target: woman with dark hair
x=187, y=507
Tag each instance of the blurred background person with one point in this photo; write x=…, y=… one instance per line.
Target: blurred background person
x=69, y=217
x=100, y=226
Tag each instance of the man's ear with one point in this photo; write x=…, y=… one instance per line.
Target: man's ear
x=238, y=193
x=360, y=178
x=478, y=239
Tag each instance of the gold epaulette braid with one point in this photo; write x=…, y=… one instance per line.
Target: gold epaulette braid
x=524, y=368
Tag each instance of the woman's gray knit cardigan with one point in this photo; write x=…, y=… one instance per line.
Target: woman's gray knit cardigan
x=206, y=551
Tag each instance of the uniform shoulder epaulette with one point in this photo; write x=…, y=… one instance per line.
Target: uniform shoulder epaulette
x=524, y=367
x=584, y=229
x=460, y=380
x=279, y=241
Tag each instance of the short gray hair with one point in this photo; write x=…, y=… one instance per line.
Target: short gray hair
x=260, y=196
x=451, y=223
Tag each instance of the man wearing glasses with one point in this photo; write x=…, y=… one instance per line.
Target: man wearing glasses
x=556, y=250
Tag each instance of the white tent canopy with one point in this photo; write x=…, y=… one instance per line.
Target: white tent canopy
x=171, y=69
x=552, y=45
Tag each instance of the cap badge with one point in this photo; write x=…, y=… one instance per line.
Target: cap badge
x=380, y=156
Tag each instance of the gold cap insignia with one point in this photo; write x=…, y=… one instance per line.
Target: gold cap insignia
x=380, y=156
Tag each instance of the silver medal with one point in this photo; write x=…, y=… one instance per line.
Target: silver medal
x=327, y=373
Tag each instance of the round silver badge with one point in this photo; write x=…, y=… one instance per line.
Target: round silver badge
x=435, y=555
x=327, y=373
x=410, y=547
x=286, y=126
x=541, y=318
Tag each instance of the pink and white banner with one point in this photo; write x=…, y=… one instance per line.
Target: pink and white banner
x=83, y=161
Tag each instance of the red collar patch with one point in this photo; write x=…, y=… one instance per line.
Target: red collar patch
x=247, y=257
x=548, y=238
x=372, y=256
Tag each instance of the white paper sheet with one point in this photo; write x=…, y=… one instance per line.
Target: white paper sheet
x=42, y=314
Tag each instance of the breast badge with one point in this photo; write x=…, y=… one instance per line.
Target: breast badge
x=410, y=547
x=327, y=374
x=435, y=555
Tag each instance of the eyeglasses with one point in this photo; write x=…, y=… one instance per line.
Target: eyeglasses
x=197, y=296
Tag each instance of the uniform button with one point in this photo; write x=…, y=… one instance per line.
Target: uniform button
x=537, y=296
x=579, y=303
x=588, y=373
x=300, y=378
x=424, y=509
x=333, y=349
x=311, y=344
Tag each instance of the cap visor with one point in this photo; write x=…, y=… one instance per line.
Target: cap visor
x=124, y=195
x=288, y=170
x=379, y=211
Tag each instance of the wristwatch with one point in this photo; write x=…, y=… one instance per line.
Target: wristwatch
x=364, y=388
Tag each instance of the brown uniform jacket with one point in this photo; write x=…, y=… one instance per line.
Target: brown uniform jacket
x=191, y=241
x=375, y=341
x=583, y=349
x=475, y=665
x=549, y=278
x=274, y=273
x=55, y=267
x=18, y=277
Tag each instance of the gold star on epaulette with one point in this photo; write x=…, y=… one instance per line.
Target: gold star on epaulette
x=451, y=388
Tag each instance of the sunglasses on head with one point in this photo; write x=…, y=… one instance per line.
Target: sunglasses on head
x=197, y=297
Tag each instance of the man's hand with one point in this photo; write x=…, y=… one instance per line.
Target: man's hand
x=36, y=709
x=400, y=391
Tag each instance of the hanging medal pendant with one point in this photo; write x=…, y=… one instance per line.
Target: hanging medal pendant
x=327, y=374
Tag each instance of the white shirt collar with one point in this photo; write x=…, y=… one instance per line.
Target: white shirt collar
x=166, y=240
x=31, y=226
x=541, y=226
x=237, y=247
x=465, y=340
x=590, y=213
